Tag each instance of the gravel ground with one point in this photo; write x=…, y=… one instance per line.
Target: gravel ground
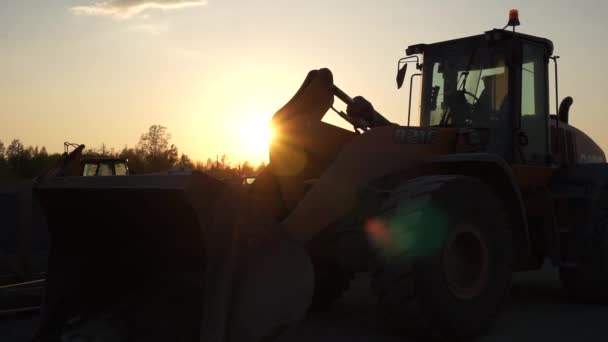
x=538, y=311
x=18, y=328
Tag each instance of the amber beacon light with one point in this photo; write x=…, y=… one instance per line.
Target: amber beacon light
x=513, y=18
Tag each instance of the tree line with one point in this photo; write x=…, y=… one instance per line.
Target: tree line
x=153, y=153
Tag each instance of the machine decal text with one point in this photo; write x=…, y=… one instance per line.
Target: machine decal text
x=413, y=136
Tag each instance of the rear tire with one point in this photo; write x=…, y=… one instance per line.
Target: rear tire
x=588, y=281
x=443, y=270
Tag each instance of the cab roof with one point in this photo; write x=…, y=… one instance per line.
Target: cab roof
x=495, y=34
x=103, y=160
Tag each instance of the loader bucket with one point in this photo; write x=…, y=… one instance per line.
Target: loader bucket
x=180, y=257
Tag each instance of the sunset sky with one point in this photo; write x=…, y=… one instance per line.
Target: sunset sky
x=213, y=72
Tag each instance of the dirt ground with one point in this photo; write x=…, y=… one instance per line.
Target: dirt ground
x=538, y=311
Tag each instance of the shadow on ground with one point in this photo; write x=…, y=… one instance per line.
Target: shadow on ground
x=538, y=311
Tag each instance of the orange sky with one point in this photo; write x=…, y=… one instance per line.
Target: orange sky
x=214, y=71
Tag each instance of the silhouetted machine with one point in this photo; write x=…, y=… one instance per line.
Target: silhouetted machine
x=439, y=214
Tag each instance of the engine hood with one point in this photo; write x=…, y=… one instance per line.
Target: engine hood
x=585, y=149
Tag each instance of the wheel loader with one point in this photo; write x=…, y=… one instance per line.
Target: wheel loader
x=439, y=214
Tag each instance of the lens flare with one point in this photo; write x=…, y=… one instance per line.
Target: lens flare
x=419, y=232
x=377, y=231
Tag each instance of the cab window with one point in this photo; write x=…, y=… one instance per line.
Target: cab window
x=534, y=103
x=89, y=170
x=105, y=170
x=120, y=169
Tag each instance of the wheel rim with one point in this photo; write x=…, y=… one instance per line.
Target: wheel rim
x=466, y=262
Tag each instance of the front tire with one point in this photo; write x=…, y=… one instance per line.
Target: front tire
x=441, y=267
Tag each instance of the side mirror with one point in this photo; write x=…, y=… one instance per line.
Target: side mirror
x=401, y=76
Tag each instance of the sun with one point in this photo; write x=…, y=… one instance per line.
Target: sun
x=256, y=135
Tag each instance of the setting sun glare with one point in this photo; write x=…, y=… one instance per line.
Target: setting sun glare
x=255, y=136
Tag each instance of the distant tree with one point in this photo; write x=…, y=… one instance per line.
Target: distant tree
x=15, y=156
x=209, y=164
x=259, y=168
x=245, y=169
x=43, y=152
x=4, y=170
x=171, y=155
x=225, y=163
x=18, y=161
x=155, y=146
x=153, y=153
x=155, y=141
x=185, y=162
x=103, y=150
x=39, y=160
x=221, y=168
x=136, y=159
x=199, y=165
x=15, y=149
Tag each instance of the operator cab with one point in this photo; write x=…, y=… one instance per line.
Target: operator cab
x=104, y=167
x=495, y=84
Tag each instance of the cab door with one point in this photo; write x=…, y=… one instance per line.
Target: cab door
x=532, y=138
